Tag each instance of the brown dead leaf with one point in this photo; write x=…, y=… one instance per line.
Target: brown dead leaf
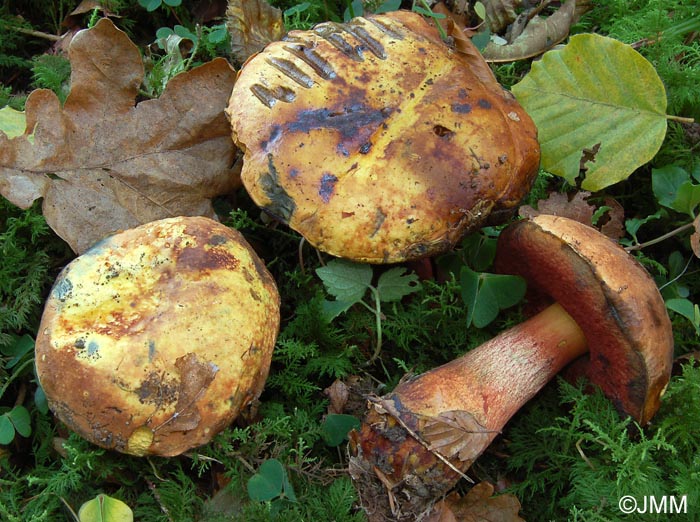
x=500, y=13
x=614, y=225
x=558, y=204
x=103, y=163
x=695, y=237
x=455, y=434
x=536, y=34
x=338, y=393
x=478, y=505
x=611, y=222
x=195, y=378
x=252, y=24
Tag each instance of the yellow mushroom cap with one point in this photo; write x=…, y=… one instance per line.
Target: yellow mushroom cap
x=376, y=141
x=156, y=338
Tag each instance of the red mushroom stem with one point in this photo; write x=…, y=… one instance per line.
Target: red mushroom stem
x=507, y=371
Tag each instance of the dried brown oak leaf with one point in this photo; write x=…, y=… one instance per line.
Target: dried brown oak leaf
x=103, y=163
x=252, y=25
x=478, y=505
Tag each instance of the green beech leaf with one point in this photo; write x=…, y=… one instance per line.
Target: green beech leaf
x=335, y=428
x=394, y=284
x=345, y=280
x=597, y=102
x=487, y=294
x=105, y=509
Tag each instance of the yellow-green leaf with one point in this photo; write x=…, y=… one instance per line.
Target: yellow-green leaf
x=12, y=122
x=103, y=508
x=599, y=106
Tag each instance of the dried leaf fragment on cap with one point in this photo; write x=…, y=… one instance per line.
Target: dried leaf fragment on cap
x=104, y=163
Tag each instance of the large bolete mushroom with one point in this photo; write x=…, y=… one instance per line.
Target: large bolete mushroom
x=607, y=315
x=376, y=141
x=156, y=338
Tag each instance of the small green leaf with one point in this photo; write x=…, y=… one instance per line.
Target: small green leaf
x=12, y=122
x=394, y=284
x=387, y=6
x=218, y=34
x=104, y=508
x=20, y=418
x=7, y=429
x=172, y=3
x=332, y=309
x=269, y=482
x=21, y=346
x=687, y=309
x=674, y=189
x=345, y=280
x=40, y=400
x=335, y=428
x=150, y=5
x=487, y=294
x=480, y=10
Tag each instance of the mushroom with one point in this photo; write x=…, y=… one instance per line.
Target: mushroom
x=605, y=313
x=157, y=337
x=377, y=142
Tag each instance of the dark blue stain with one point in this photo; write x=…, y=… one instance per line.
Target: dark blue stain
x=275, y=134
x=484, y=104
x=462, y=108
x=328, y=182
x=347, y=121
x=63, y=289
x=151, y=350
x=293, y=173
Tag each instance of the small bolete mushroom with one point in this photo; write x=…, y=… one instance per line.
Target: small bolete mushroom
x=608, y=316
x=156, y=338
x=376, y=141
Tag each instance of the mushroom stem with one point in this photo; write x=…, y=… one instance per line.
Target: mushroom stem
x=458, y=408
x=507, y=371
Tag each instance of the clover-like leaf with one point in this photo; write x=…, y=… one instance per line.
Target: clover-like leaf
x=599, y=106
x=103, y=163
x=486, y=294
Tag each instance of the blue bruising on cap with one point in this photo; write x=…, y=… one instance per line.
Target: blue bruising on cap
x=151, y=351
x=63, y=289
x=92, y=348
x=327, y=187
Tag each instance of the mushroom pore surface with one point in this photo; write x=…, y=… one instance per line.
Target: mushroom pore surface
x=610, y=296
x=153, y=340
x=376, y=141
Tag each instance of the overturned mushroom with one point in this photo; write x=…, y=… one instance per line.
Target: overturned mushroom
x=157, y=337
x=431, y=428
x=376, y=141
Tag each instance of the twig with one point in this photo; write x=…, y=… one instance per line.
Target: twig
x=659, y=239
x=38, y=34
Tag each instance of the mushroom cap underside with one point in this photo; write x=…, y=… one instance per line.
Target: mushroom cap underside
x=609, y=294
x=154, y=340
x=376, y=141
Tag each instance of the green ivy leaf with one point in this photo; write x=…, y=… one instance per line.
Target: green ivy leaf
x=487, y=294
x=335, y=428
x=345, y=280
x=394, y=284
x=104, y=508
x=597, y=102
